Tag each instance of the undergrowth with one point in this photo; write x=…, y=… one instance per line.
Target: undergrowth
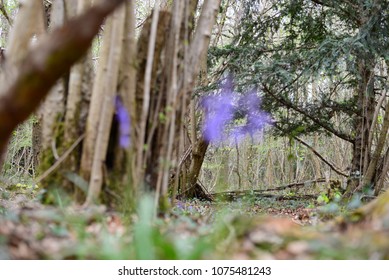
x=19, y=162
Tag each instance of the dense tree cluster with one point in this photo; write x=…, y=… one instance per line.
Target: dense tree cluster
x=321, y=67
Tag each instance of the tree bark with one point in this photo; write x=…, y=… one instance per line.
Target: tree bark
x=148, y=135
x=196, y=57
x=45, y=64
x=79, y=90
x=371, y=170
x=109, y=84
x=53, y=108
x=77, y=104
x=28, y=23
x=363, y=124
x=124, y=160
x=96, y=103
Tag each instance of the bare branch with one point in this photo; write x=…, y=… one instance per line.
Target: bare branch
x=289, y=104
x=333, y=167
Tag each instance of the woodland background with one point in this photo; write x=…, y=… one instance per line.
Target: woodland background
x=168, y=129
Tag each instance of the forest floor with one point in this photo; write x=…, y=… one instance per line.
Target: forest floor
x=247, y=228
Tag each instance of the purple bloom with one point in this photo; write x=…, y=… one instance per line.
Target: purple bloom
x=123, y=119
x=255, y=118
x=179, y=205
x=221, y=110
x=218, y=113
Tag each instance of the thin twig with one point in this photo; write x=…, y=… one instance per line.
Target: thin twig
x=60, y=160
x=332, y=166
x=146, y=93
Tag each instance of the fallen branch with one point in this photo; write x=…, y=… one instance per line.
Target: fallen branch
x=232, y=196
x=292, y=185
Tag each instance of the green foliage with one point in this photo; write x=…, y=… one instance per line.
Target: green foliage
x=11, y=5
x=323, y=199
x=285, y=45
x=143, y=231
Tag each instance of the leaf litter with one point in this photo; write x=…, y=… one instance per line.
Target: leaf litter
x=193, y=230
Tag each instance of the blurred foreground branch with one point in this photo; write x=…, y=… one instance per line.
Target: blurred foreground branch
x=53, y=56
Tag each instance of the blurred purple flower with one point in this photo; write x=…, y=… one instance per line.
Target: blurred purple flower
x=180, y=205
x=221, y=109
x=123, y=119
x=218, y=113
x=249, y=105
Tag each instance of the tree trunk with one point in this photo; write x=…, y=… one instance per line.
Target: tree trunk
x=366, y=104
x=150, y=110
x=28, y=23
x=77, y=106
x=363, y=124
x=52, y=115
x=376, y=156
x=198, y=156
x=43, y=66
x=79, y=90
x=196, y=57
x=96, y=104
x=122, y=177
x=109, y=84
